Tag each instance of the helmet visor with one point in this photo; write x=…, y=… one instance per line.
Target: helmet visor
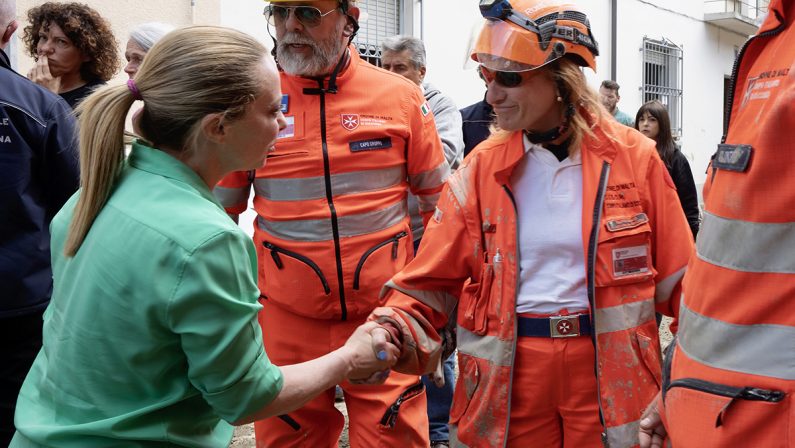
x=504, y=47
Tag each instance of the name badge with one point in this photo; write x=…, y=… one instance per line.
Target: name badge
x=371, y=145
x=732, y=157
x=630, y=261
x=616, y=225
x=285, y=103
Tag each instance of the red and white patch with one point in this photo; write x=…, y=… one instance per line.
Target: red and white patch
x=564, y=327
x=629, y=261
x=350, y=121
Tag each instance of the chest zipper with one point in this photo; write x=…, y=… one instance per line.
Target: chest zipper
x=395, y=240
x=275, y=251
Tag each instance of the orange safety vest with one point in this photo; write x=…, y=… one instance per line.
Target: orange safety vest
x=332, y=224
x=629, y=202
x=732, y=374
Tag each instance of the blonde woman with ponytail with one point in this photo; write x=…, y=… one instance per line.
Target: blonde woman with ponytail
x=151, y=338
x=549, y=251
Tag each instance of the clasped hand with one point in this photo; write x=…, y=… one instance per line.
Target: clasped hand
x=371, y=354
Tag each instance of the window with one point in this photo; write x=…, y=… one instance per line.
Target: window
x=383, y=19
x=662, y=78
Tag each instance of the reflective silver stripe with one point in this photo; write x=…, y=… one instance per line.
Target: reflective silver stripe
x=438, y=300
x=747, y=246
x=623, y=435
x=422, y=340
x=229, y=197
x=490, y=348
x=623, y=317
x=307, y=188
x=320, y=229
x=763, y=349
x=430, y=179
x=666, y=286
x=459, y=183
x=427, y=202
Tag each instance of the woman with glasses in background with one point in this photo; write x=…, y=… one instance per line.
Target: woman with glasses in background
x=652, y=121
x=549, y=251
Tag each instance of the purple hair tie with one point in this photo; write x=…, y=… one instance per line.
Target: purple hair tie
x=134, y=89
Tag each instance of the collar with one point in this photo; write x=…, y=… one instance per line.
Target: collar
x=599, y=145
x=777, y=15
x=5, y=62
x=151, y=160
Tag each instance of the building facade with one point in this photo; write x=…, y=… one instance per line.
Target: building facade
x=678, y=51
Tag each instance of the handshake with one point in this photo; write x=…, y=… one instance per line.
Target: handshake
x=370, y=352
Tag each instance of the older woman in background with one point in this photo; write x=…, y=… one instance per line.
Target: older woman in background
x=74, y=48
x=142, y=37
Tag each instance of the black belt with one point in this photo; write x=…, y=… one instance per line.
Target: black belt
x=555, y=326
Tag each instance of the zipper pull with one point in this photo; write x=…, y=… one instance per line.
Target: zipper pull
x=497, y=257
x=275, y=255
x=395, y=243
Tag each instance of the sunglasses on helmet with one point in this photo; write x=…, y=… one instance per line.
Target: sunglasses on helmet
x=308, y=16
x=504, y=79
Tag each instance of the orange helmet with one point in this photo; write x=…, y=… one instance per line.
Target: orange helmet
x=523, y=35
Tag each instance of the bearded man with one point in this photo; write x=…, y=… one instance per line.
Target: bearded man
x=332, y=221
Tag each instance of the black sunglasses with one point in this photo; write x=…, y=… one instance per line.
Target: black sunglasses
x=505, y=79
x=308, y=16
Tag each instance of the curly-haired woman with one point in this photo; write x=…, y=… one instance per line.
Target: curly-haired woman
x=74, y=48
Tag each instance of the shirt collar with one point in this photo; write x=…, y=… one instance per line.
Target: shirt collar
x=151, y=160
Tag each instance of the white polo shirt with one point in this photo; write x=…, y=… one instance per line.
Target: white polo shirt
x=548, y=197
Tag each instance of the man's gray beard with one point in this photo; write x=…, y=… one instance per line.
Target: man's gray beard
x=325, y=54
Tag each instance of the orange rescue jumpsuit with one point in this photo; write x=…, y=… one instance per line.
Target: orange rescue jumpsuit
x=629, y=202
x=732, y=373
x=332, y=228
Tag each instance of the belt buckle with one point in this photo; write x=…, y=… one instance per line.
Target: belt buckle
x=564, y=326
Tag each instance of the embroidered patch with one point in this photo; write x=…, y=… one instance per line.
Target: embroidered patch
x=285, y=103
x=732, y=157
x=289, y=130
x=371, y=145
x=425, y=109
x=629, y=261
x=437, y=215
x=350, y=121
x=626, y=223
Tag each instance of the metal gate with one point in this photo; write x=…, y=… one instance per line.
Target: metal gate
x=662, y=78
x=383, y=20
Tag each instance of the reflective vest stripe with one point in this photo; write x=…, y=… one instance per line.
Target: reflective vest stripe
x=623, y=435
x=430, y=179
x=320, y=229
x=666, y=286
x=459, y=184
x=440, y=301
x=747, y=246
x=422, y=338
x=309, y=188
x=623, y=317
x=763, y=349
x=230, y=197
x=491, y=348
x=427, y=202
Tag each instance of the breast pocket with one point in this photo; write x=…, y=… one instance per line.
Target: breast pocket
x=624, y=253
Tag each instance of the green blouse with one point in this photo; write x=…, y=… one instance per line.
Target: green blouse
x=151, y=337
